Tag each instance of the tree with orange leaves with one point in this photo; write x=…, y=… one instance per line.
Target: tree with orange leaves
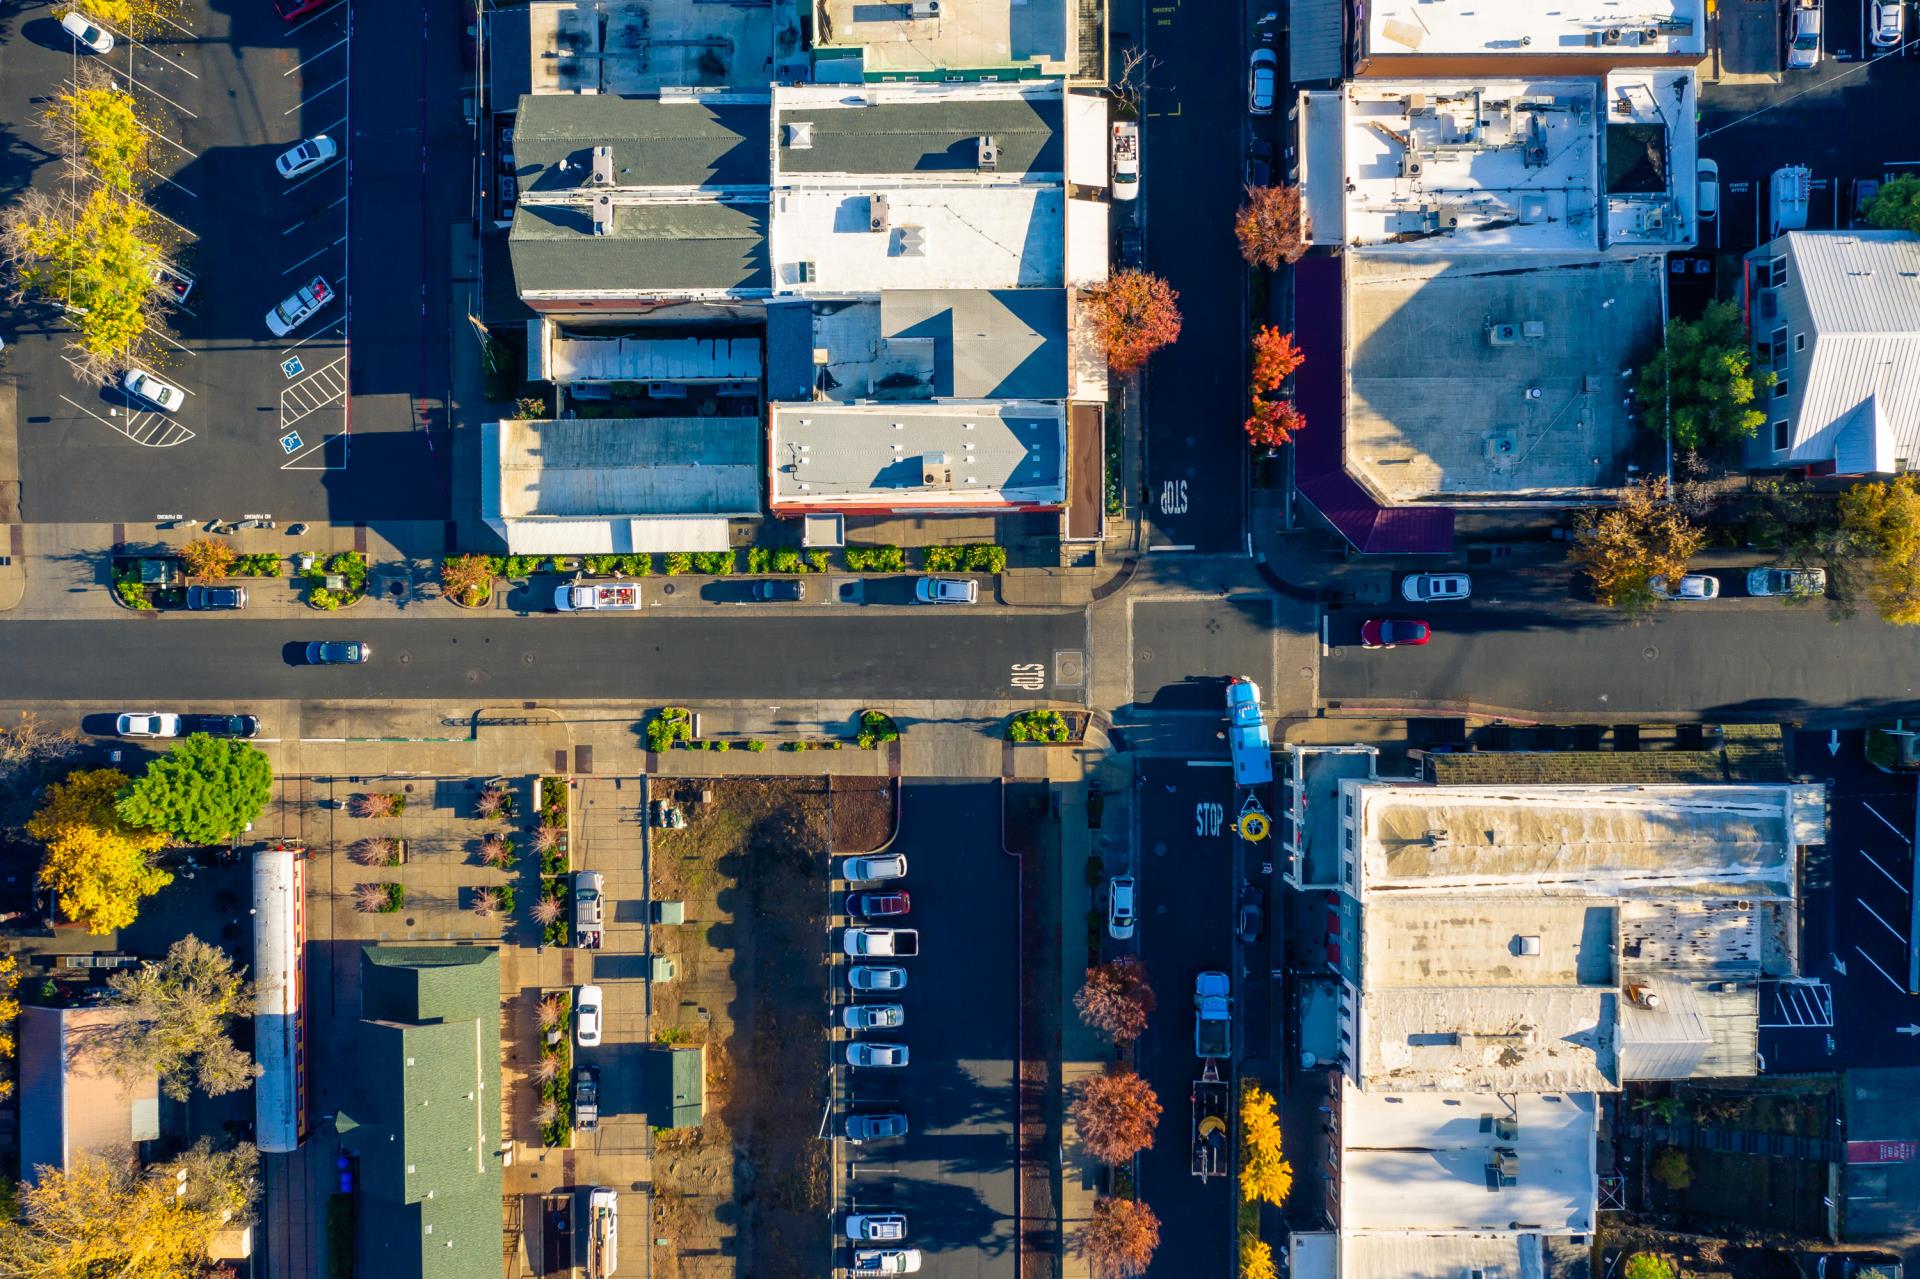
x=1271, y=227
x=1116, y=1114
x=1273, y=422
x=1132, y=315
x=1275, y=357
x=1120, y=1238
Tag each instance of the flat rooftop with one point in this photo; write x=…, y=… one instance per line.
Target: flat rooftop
x=1494, y=378
x=944, y=344
x=1520, y=27
x=594, y=467
x=627, y=47
x=932, y=237
x=976, y=35
x=1314, y=778
x=920, y=131
x=1446, y=167
x=1491, y=1256
x=1462, y=1038
x=878, y=456
x=1424, y=1161
x=1656, y=842
x=1476, y=941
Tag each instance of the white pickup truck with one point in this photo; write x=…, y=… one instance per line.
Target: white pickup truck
x=881, y=943
x=589, y=597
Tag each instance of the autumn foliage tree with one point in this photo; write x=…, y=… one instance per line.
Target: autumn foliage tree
x=1271, y=227
x=1132, y=315
x=1120, y=1238
x=1116, y=999
x=1881, y=522
x=1265, y=1174
x=1271, y=422
x=96, y=864
x=1275, y=357
x=467, y=579
x=96, y=258
x=1622, y=548
x=1115, y=1115
x=1256, y=1258
x=180, y=1011
x=208, y=557
x=134, y=17
x=97, y=126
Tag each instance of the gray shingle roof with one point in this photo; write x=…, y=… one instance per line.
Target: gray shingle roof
x=927, y=137
x=655, y=143
x=988, y=344
x=653, y=248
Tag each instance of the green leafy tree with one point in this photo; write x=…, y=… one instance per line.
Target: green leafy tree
x=180, y=1014
x=1648, y=1265
x=206, y=790
x=1707, y=371
x=1896, y=206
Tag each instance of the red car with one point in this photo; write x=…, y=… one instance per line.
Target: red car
x=1391, y=633
x=877, y=905
x=292, y=10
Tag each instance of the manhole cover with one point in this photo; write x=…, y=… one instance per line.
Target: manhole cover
x=1144, y=655
x=1159, y=850
x=1649, y=652
x=405, y=658
x=396, y=590
x=476, y=676
x=667, y=589
x=527, y=658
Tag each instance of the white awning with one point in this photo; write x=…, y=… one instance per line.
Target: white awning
x=1086, y=129
x=613, y=537
x=1087, y=252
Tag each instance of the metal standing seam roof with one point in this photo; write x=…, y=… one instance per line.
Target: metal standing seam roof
x=924, y=138
x=672, y=143
x=653, y=248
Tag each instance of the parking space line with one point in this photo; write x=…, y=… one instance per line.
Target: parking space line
x=316, y=213
x=1883, y=870
x=311, y=336
x=146, y=433
x=301, y=105
x=315, y=58
x=146, y=48
x=328, y=167
x=330, y=12
x=1878, y=969
x=142, y=84
x=316, y=253
x=1897, y=934
x=1884, y=822
x=170, y=182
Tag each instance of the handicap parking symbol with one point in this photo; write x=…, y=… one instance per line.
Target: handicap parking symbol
x=290, y=442
x=292, y=367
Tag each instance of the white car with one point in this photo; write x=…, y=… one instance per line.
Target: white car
x=586, y=1016
x=1120, y=907
x=873, y=1016
x=148, y=724
x=875, y=869
x=946, y=590
x=874, y=1127
x=886, y=1261
x=1800, y=583
x=870, y=977
x=1126, y=159
x=84, y=33
x=1889, y=23
x=1803, y=37
x=299, y=308
x=1706, y=175
x=306, y=157
x=1424, y=588
x=1693, y=586
x=863, y=1053
x=876, y=1227
x=142, y=385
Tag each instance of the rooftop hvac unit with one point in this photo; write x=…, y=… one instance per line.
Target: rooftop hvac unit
x=798, y=135
x=804, y=270
x=1503, y=334
x=989, y=153
x=601, y=175
x=919, y=9
x=935, y=471
x=603, y=215
x=878, y=218
x=1506, y=1162
x=1533, y=330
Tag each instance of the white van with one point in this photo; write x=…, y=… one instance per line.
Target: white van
x=1791, y=191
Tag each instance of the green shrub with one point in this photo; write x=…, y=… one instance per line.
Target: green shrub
x=836, y=746
x=876, y=729
x=1648, y=1265
x=672, y=724
x=678, y=562
x=553, y=801
x=396, y=899
x=557, y=933
x=508, y=899
x=1038, y=726
x=758, y=559
x=787, y=560
x=755, y=745
x=943, y=559
x=793, y=746
x=720, y=744
x=640, y=565
x=876, y=559
x=985, y=558
x=717, y=563
x=322, y=598
x=263, y=565
x=352, y=566
x=133, y=594
x=520, y=566
x=817, y=561
x=557, y=564
x=602, y=565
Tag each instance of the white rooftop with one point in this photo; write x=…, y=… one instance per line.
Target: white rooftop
x=1438, y=166
x=934, y=237
x=1425, y=1162
x=1458, y=1038
x=1594, y=841
x=918, y=455
x=1398, y=1256
x=1620, y=28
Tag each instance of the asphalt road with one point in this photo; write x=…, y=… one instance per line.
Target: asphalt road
x=1186, y=927
x=1190, y=176
x=952, y=1175
x=1856, y=930
x=642, y=658
x=1741, y=660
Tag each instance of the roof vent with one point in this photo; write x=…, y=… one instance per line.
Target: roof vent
x=602, y=173
x=920, y=9
x=799, y=135
x=1503, y=334
x=1527, y=944
x=805, y=271
x=913, y=242
x=603, y=215
x=935, y=471
x=989, y=152
x=878, y=217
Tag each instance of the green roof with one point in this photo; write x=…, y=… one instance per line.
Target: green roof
x=652, y=248
x=681, y=143
x=676, y=1087
x=927, y=137
x=1747, y=753
x=428, y=1132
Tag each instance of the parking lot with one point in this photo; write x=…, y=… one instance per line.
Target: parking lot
x=264, y=427
x=953, y=1174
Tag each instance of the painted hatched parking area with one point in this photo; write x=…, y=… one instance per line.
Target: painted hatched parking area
x=325, y=387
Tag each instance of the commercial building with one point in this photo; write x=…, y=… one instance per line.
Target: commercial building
x=71, y=1105
x=1835, y=316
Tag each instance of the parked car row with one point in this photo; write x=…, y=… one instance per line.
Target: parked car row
x=168, y=724
x=863, y=940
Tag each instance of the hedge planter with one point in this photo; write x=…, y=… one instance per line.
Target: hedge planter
x=1047, y=728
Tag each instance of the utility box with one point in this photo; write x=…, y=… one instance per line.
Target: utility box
x=669, y=912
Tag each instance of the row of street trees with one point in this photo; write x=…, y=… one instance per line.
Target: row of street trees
x=91, y=245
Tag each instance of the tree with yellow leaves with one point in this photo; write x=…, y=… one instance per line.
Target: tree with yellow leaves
x=9, y=1011
x=97, y=126
x=102, y=1217
x=96, y=864
x=1256, y=1257
x=133, y=17
x=95, y=257
x=1622, y=548
x=1881, y=521
x=1265, y=1174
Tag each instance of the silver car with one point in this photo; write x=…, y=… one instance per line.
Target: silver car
x=1263, y=76
x=1425, y=588
x=1800, y=583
